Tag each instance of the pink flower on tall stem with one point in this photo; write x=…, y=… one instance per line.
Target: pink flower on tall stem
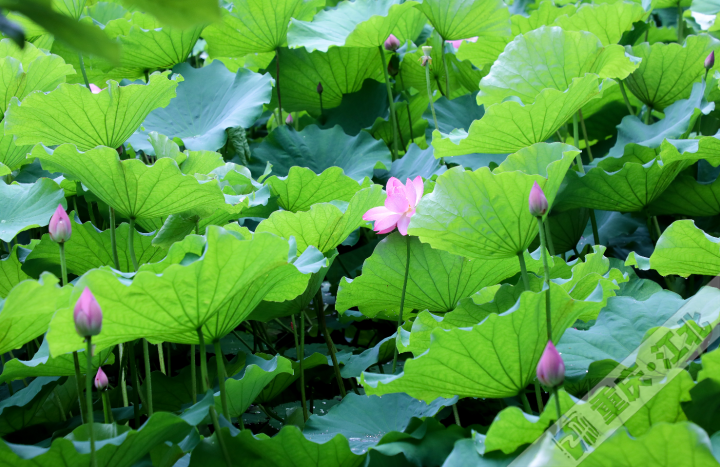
x=60, y=228
x=399, y=206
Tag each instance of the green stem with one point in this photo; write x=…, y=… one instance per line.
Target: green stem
x=123, y=384
x=548, y=236
x=538, y=396
x=557, y=403
x=132, y=365
x=576, y=140
x=113, y=241
x=593, y=224
x=523, y=270
x=648, y=115
x=625, y=97
x=58, y=403
x=585, y=135
x=91, y=214
x=328, y=340
x=161, y=358
x=447, y=79
x=63, y=264
x=402, y=299
x=391, y=102
x=78, y=385
x=277, y=85
x=300, y=357
x=131, y=244
x=193, y=373
x=456, y=415
x=82, y=69
x=680, y=24
x=106, y=409
x=88, y=398
x=203, y=362
x=221, y=379
x=657, y=227
x=148, y=379
x=525, y=402
x=430, y=95
x=544, y=255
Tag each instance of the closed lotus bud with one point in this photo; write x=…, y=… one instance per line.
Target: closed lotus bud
x=60, y=228
x=551, y=368
x=101, y=380
x=87, y=315
x=537, y=201
x=319, y=88
x=710, y=60
x=392, y=43
x=289, y=119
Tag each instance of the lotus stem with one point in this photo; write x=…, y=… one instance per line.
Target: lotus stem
x=88, y=398
x=106, y=407
x=456, y=415
x=63, y=264
x=538, y=396
x=648, y=115
x=113, y=239
x=56, y=398
x=221, y=379
x=148, y=379
x=91, y=214
x=430, y=96
x=391, y=102
x=82, y=69
x=625, y=97
x=593, y=224
x=576, y=140
x=301, y=357
x=123, y=385
x=205, y=385
x=78, y=386
x=447, y=78
x=525, y=402
x=319, y=308
x=161, y=358
x=656, y=224
x=523, y=270
x=402, y=299
x=548, y=236
x=585, y=135
x=277, y=84
x=543, y=252
x=557, y=403
x=169, y=359
x=131, y=243
x=193, y=373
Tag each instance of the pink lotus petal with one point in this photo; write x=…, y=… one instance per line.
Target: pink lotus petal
x=95, y=89
x=403, y=224
x=377, y=213
x=459, y=42
x=397, y=203
x=388, y=230
x=419, y=187
x=388, y=222
x=395, y=187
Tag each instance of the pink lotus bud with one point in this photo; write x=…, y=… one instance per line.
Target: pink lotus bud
x=87, y=315
x=101, y=380
x=538, y=202
x=710, y=60
x=60, y=228
x=319, y=88
x=551, y=368
x=289, y=119
x=392, y=43
x=95, y=89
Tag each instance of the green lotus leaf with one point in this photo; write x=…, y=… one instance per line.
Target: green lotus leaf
x=28, y=309
x=510, y=126
x=483, y=214
x=27, y=205
x=364, y=420
x=567, y=227
x=341, y=70
x=684, y=249
x=133, y=189
x=627, y=184
x=710, y=366
x=688, y=197
x=243, y=387
x=496, y=358
x=183, y=14
x=18, y=411
x=354, y=365
x=42, y=365
x=607, y=21
x=363, y=23
x=90, y=248
x=29, y=69
x=666, y=444
x=221, y=100
x=324, y=226
x=319, y=150
x=146, y=45
x=436, y=282
x=410, y=26
x=302, y=187
x=461, y=19
x=707, y=148
x=12, y=155
x=668, y=71
x=72, y=114
x=416, y=162
x=251, y=27
x=116, y=445
x=463, y=78
x=283, y=380
x=550, y=57
x=233, y=275
x=11, y=273
x=618, y=332
x=289, y=448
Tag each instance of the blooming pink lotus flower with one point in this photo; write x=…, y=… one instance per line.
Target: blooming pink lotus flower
x=537, y=201
x=551, y=368
x=457, y=43
x=392, y=43
x=87, y=315
x=95, y=89
x=101, y=380
x=60, y=228
x=399, y=206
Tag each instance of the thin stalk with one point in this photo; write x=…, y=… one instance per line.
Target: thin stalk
x=576, y=140
x=328, y=340
x=430, y=96
x=680, y=24
x=585, y=135
x=447, y=79
x=402, y=299
x=625, y=97
x=321, y=108
x=593, y=224
x=648, y=116
x=391, y=102
x=148, y=379
x=277, y=84
x=402, y=83
x=656, y=224
x=523, y=270
x=538, y=397
x=56, y=398
x=205, y=385
x=526, y=403
x=88, y=398
x=63, y=264
x=557, y=403
x=113, y=241
x=161, y=358
x=123, y=385
x=300, y=357
x=551, y=247
x=169, y=359
x=91, y=214
x=197, y=226
x=76, y=361
x=132, y=366
x=82, y=69
x=106, y=407
x=131, y=244
x=243, y=341
x=456, y=414
x=193, y=373
x=543, y=252
x=221, y=379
